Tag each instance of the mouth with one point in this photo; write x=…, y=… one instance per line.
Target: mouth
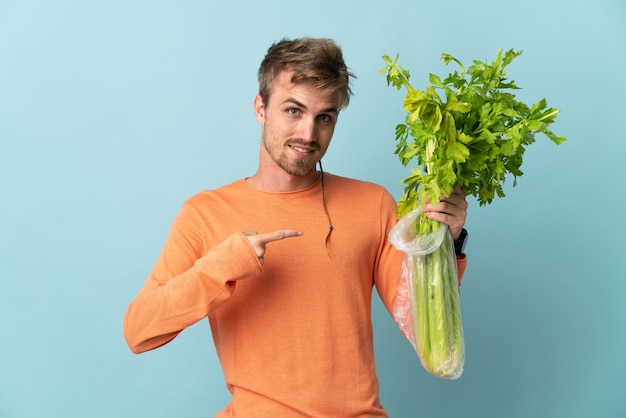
x=302, y=149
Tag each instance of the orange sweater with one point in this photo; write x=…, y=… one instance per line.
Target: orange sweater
x=293, y=335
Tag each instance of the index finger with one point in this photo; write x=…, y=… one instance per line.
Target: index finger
x=278, y=235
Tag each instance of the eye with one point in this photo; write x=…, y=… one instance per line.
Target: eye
x=293, y=111
x=326, y=118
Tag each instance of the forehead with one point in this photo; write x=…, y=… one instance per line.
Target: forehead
x=303, y=92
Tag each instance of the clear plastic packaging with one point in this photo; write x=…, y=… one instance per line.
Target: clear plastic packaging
x=427, y=306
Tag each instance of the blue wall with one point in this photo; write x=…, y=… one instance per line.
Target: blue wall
x=113, y=112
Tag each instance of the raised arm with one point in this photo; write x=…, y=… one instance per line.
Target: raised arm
x=189, y=281
x=183, y=289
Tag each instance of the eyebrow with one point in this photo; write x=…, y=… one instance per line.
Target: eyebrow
x=302, y=105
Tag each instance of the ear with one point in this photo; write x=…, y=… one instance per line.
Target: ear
x=259, y=109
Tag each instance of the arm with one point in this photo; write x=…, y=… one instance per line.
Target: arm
x=182, y=289
x=451, y=211
x=188, y=281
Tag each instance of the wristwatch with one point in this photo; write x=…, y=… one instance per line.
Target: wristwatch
x=460, y=242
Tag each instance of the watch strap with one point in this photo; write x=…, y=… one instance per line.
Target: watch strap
x=460, y=242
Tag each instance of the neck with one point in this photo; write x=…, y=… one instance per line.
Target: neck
x=281, y=181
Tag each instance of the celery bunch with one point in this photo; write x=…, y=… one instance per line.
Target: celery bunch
x=472, y=136
x=438, y=328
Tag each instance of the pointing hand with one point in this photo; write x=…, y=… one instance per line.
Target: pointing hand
x=259, y=241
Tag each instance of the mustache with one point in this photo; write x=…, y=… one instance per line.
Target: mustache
x=304, y=143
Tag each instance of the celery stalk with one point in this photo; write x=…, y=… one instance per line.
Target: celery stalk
x=437, y=318
x=420, y=319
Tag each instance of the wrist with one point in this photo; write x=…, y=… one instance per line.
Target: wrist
x=460, y=242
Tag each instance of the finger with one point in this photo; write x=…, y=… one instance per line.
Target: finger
x=458, y=191
x=451, y=211
x=448, y=206
x=278, y=235
x=452, y=207
x=249, y=233
x=455, y=223
x=456, y=200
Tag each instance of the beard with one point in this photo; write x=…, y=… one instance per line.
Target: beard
x=294, y=167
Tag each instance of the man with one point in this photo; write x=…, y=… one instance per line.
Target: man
x=283, y=262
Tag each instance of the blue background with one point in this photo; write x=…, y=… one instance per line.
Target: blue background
x=113, y=112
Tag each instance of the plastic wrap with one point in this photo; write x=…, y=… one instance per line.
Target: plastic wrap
x=427, y=307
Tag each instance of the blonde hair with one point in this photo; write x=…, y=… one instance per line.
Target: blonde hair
x=313, y=60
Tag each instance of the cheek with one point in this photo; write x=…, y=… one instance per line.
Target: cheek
x=277, y=127
x=273, y=136
x=325, y=136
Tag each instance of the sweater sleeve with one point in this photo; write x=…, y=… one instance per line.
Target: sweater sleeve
x=186, y=284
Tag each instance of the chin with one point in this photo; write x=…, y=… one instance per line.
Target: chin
x=299, y=169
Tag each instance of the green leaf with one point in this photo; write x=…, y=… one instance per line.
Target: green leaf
x=475, y=139
x=435, y=80
x=465, y=139
x=538, y=107
x=556, y=139
x=431, y=115
x=457, y=152
x=453, y=105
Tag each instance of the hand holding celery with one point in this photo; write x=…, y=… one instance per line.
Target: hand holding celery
x=471, y=136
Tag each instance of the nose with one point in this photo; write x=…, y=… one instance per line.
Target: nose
x=307, y=130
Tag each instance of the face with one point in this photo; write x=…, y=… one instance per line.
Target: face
x=298, y=124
